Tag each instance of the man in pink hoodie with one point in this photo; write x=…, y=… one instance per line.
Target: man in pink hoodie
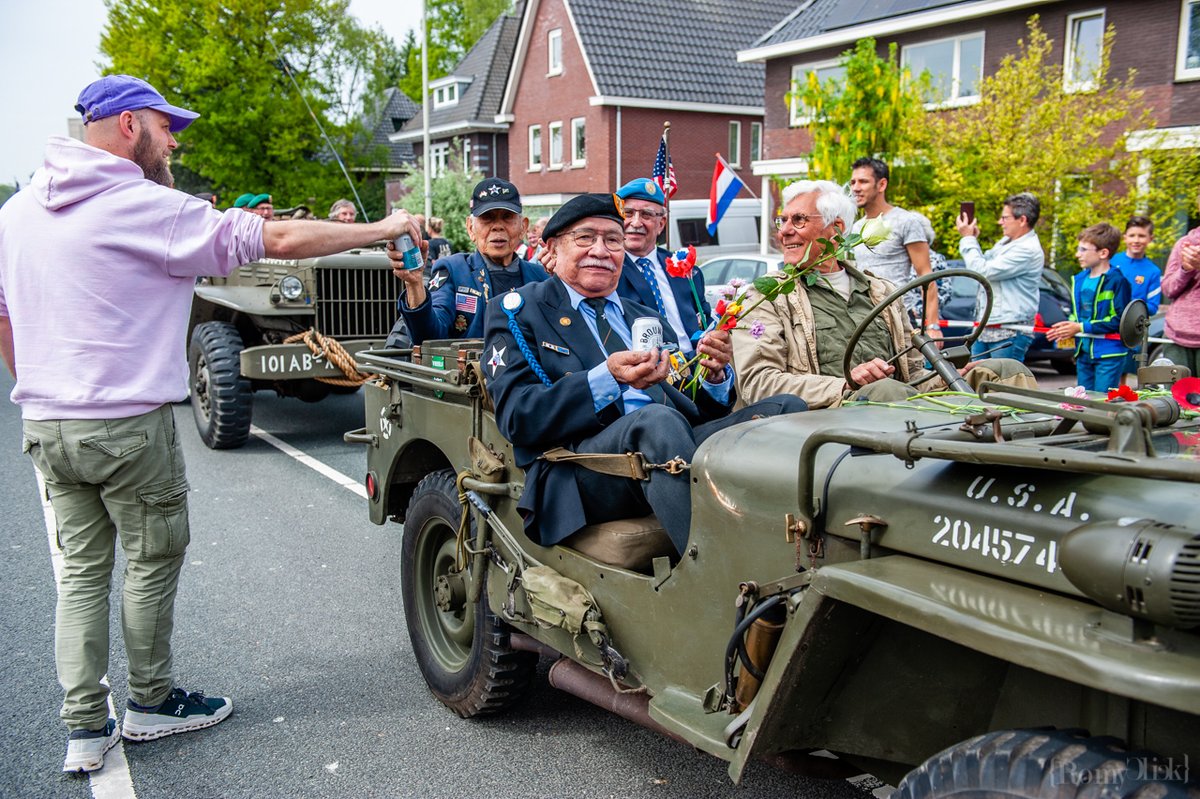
x=96, y=343
x=1181, y=285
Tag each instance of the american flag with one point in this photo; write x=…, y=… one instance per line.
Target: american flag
x=664, y=170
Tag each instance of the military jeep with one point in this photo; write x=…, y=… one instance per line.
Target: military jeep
x=976, y=595
x=292, y=326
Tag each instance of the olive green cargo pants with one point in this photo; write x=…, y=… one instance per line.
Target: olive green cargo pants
x=109, y=479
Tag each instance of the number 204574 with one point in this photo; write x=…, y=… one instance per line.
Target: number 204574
x=1003, y=546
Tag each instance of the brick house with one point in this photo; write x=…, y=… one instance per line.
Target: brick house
x=958, y=41
x=593, y=81
x=463, y=130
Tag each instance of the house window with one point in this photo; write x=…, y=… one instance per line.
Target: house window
x=554, y=52
x=578, y=142
x=444, y=96
x=735, y=144
x=466, y=156
x=556, y=145
x=799, y=113
x=954, y=67
x=439, y=154
x=535, y=147
x=1085, y=47
x=755, y=141
x=1187, y=67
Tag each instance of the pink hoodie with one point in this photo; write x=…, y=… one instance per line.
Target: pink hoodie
x=97, y=266
x=1183, y=289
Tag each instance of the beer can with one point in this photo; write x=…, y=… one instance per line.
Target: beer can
x=647, y=334
x=410, y=251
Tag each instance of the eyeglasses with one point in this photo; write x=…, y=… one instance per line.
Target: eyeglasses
x=1006, y=218
x=630, y=213
x=798, y=220
x=1085, y=248
x=613, y=242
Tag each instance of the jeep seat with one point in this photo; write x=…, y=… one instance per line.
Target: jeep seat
x=624, y=543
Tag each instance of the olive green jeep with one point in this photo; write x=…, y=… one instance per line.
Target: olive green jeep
x=962, y=595
x=291, y=326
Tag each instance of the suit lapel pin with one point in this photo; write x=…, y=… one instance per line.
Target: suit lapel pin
x=565, y=321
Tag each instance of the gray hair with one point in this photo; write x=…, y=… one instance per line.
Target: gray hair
x=340, y=204
x=1025, y=205
x=832, y=200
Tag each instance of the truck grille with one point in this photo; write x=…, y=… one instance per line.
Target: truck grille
x=356, y=303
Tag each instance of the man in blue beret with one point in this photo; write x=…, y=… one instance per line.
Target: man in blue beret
x=563, y=371
x=644, y=275
x=461, y=285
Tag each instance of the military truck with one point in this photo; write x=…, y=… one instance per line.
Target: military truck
x=962, y=595
x=291, y=326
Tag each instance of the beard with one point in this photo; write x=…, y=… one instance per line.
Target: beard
x=155, y=167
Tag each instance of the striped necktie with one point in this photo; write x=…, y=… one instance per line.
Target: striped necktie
x=647, y=270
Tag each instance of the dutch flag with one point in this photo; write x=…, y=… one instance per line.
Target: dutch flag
x=725, y=186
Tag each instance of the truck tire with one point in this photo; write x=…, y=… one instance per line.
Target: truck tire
x=1029, y=764
x=222, y=399
x=463, y=651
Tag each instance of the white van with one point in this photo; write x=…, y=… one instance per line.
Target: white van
x=738, y=230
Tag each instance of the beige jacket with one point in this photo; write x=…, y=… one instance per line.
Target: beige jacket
x=783, y=360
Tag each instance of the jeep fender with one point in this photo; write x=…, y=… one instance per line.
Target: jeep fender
x=905, y=657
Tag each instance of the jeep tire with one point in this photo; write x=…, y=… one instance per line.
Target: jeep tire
x=462, y=650
x=222, y=399
x=1041, y=763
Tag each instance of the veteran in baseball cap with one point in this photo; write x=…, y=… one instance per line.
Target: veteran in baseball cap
x=492, y=193
x=113, y=94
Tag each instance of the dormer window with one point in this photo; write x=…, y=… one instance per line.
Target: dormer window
x=446, y=91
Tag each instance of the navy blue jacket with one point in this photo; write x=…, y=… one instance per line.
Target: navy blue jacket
x=459, y=290
x=535, y=417
x=634, y=287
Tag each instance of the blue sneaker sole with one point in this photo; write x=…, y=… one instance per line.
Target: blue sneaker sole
x=139, y=726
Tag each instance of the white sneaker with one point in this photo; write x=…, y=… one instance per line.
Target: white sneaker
x=180, y=712
x=86, y=748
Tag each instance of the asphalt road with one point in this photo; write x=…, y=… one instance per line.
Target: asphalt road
x=290, y=604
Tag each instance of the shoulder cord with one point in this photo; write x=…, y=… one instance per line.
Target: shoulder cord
x=522, y=344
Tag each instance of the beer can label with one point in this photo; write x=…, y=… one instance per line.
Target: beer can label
x=647, y=334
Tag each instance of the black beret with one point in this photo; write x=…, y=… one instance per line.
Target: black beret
x=605, y=206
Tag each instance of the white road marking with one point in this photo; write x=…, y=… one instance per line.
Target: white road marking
x=317, y=466
x=113, y=780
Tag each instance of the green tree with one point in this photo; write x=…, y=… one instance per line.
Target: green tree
x=870, y=111
x=451, y=198
x=229, y=62
x=454, y=27
x=8, y=190
x=1029, y=132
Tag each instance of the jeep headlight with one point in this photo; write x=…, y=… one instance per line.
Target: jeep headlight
x=291, y=288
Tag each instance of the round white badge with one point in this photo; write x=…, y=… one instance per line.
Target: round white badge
x=512, y=301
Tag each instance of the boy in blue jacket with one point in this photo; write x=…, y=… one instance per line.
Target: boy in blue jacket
x=1144, y=276
x=1099, y=295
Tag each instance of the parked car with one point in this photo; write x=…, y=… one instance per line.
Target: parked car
x=743, y=266
x=1054, y=305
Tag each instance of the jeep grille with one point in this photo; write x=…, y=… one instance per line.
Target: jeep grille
x=356, y=303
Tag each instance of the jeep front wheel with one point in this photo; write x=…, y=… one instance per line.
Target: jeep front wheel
x=221, y=398
x=1031, y=764
x=461, y=647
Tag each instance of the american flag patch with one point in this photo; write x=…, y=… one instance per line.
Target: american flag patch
x=465, y=303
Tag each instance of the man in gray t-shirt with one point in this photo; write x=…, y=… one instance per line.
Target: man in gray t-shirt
x=905, y=254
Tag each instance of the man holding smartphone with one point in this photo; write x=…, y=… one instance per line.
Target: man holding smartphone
x=905, y=254
x=1014, y=268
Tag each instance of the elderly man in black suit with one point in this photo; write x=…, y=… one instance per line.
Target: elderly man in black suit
x=561, y=374
x=644, y=276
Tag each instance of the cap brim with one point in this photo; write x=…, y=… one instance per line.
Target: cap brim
x=484, y=207
x=180, y=117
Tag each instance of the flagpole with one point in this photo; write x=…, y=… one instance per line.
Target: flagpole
x=666, y=194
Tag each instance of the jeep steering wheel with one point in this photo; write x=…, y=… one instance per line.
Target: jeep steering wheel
x=927, y=346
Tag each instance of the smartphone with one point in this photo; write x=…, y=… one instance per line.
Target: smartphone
x=967, y=208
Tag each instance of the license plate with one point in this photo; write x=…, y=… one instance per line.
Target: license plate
x=1065, y=343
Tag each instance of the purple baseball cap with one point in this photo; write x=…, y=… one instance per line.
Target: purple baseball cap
x=113, y=94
